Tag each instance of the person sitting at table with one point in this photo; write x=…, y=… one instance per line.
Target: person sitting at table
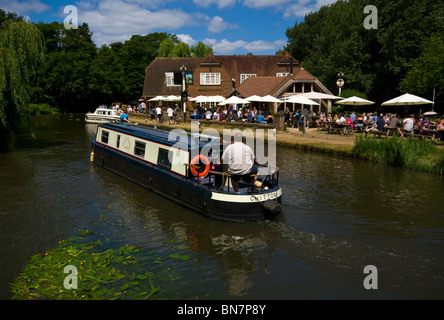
x=270, y=119
x=348, y=121
x=395, y=122
x=408, y=124
x=340, y=119
x=329, y=118
x=360, y=122
x=440, y=126
x=379, y=125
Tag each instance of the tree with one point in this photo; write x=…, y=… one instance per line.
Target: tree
x=334, y=39
x=181, y=50
x=427, y=71
x=64, y=79
x=21, y=53
x=201, y=50
x=166, y=47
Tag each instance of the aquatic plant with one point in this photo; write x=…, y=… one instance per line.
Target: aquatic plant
x=409, y=153
x=101, y=274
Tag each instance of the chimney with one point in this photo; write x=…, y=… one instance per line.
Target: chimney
x=291, y=66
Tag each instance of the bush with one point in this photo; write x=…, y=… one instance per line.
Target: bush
x=410, y=153
x=43, y=108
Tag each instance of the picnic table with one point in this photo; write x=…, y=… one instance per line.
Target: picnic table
x=388, y=131
x=335, y=127
x=428, y=134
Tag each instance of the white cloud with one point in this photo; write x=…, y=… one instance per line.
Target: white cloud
x=187, y=39
x=261, y=45
x=116, y=20
x=303, y=7
x=225, y=46
x=23, y=7
x=220, y=3
x=264, y=3
x=290, y=8
x=217, y=24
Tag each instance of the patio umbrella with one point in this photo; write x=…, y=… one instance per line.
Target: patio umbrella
x=215, y=99
x=269, y=98
x=355, y=101
x=406, y=99
x=254, y=98
x=319, y=95
x=234, y=100
x=158, y=98
x=430, y=113
x=172, y=98
x=301, y=100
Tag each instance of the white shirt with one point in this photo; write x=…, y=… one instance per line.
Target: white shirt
x=170, y=112
x=158, y=110
x=239, y=157
x=408, y=124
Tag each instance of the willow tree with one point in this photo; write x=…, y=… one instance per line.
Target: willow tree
x=21, y=52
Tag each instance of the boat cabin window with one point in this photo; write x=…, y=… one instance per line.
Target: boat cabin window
x=139, y=149
x=105, y=136
x=163, y=159
x=118, y=141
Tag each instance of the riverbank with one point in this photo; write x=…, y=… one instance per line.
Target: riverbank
x=415, y=154
x=313, y=139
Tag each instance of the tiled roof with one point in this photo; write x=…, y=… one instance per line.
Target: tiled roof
x=155, y=75
x=262, y=86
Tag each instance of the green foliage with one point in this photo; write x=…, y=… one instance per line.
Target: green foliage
x=427, y=71
x=374, y=61
x=201, y=50
x=410, y=153
x=43, y=108
x=21, y=53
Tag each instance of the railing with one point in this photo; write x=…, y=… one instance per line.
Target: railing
x=271, y=179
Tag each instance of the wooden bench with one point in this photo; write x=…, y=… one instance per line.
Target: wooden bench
x=376, y=132
x=333, y=127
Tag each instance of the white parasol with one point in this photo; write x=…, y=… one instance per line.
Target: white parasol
x=355, y=101
x=406, y=99
x=234, y=100
x=301, y=100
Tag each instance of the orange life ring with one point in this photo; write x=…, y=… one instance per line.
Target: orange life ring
x=205, y=161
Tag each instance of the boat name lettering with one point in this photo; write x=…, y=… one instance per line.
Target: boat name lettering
x=263, y=197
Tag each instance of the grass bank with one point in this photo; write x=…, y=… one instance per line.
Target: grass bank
x=411, y=153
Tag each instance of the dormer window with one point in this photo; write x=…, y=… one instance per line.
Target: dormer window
x=245, y=76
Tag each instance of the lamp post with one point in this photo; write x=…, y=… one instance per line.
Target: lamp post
x=184, y=94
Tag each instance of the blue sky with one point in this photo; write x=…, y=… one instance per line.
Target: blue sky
x=229, y=26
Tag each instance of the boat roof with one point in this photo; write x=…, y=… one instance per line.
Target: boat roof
x=177, y=138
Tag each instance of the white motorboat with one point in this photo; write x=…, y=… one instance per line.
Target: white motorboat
x=103, y=115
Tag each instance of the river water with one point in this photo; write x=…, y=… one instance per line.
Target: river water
x=339, y=216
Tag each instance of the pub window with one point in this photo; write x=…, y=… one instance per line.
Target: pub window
x=210, y=78
x=169, y=79
x=163, y=159
x=118, y=141
x=139, y=149
x=105, y=137
x=245, y=76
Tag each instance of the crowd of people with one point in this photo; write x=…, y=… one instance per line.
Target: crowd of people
x=373, y=121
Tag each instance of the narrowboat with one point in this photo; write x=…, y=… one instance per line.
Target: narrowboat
x=174, y=166
x=103, y=115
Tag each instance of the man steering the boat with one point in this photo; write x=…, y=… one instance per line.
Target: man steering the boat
x=240, y=160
